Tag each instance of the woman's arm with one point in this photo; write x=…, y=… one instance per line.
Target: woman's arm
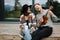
x=22, y=18
x=31, y=16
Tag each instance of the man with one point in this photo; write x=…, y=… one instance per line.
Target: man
x=44, y=23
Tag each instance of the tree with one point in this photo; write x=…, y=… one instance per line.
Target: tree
x=17, y=4
x=56, y=9
x=49, y=2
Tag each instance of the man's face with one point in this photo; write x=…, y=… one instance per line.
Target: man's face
x=38, y=8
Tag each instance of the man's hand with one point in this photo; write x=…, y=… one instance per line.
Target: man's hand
x=40, y=21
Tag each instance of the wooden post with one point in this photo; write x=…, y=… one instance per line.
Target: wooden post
x=33, y=1
x=1, y=9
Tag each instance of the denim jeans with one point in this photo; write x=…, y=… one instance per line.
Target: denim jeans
x=27, y=33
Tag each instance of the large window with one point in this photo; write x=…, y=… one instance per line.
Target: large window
x=12, y=7
x=9, y=5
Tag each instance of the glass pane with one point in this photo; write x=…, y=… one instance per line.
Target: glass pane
x=9, y=5
x=13, y=11
x=29, y=2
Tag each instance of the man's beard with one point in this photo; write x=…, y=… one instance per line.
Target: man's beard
x=38, y=11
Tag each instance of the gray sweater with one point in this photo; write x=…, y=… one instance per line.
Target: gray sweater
x=49, y=22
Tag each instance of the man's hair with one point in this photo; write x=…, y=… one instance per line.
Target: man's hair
x=36, y=4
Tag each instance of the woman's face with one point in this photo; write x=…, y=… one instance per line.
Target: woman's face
x=28, y=11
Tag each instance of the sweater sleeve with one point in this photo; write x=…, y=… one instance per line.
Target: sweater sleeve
x=53, y=16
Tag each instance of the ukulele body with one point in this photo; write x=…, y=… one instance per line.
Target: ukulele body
x=45, y=18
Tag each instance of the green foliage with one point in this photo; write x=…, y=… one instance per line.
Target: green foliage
x=56, y=9
x=12, y=14
x=47, y=4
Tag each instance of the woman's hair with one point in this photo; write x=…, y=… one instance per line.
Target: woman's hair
x=24, y=9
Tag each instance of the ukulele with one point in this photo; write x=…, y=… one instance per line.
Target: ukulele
x=45, y=18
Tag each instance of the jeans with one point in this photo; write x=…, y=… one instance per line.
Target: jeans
x=42, y=32
x=27, y=33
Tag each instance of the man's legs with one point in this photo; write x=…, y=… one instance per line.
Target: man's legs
x=39, y=34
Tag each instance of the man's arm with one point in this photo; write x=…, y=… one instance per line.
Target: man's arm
x=39, y=19
x=54, y=17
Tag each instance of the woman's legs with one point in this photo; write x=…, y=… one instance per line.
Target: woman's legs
x=27, y=34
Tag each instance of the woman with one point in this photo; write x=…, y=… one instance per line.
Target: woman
x=27, y=19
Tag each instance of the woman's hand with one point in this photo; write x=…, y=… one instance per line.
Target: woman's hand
x=31, y=31
x=31, y=17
